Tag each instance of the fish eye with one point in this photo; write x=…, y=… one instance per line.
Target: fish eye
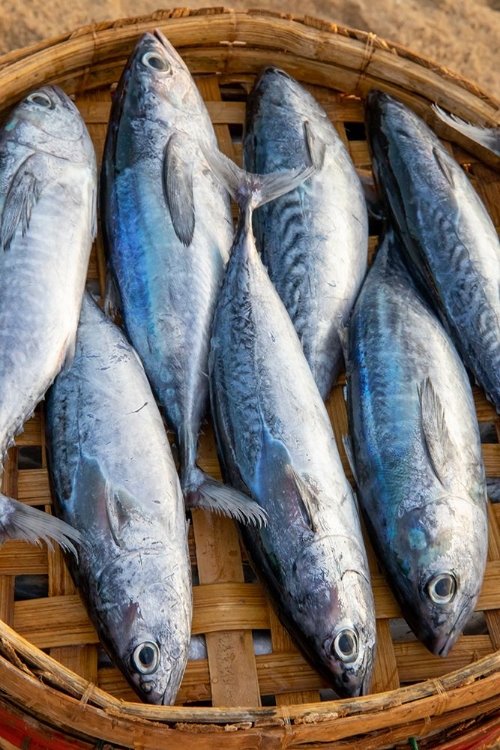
x=345, y=645
x=146, y=657
x=155, y=61
x=40, y=99
x=442, y=588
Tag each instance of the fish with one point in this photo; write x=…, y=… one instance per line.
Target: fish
x=448, y=237
x=314, y=239
x=48, y=186
x=275, y=443
x=416, y=451
x=168, y=231
x=487, y=137
x=114, y=479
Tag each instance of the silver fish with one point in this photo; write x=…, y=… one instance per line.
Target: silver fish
x=114, y=479
x=313, y=240
x=47, y=224
x=168, y=228
x=447, y=234
x=417, y=452
x=276, y=444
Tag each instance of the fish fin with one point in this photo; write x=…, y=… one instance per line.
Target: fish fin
x=119, y=509
x=178, y=189
x=487, y=137
x=20, y=521
x=202, y=491
x=22, y=195
x=374, y=203
x=70, y=353
x=444, y=167
x=347, y=443
x=343, y=331
x=316, y=147
x=253, y=189
x=112, y=297
x=437, y=438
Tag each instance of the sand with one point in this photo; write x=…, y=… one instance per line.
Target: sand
x=463, y=35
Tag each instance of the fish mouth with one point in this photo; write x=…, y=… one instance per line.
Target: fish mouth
x=442, y=644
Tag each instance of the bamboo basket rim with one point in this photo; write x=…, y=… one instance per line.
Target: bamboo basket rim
x=52, y=690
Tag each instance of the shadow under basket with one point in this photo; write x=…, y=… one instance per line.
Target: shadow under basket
x=57, y=689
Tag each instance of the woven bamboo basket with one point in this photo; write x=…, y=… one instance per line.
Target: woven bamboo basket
x=55, y=689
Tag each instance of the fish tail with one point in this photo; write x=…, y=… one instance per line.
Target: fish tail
x=203, y=491
x=20, y=521
x=253, y=190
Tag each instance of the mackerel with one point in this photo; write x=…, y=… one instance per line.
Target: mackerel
x=417, y=452
x=168, y=230
x=447, y=233
x=314, y=239
x=47, y=225
x=114, y=479
x=276, y=444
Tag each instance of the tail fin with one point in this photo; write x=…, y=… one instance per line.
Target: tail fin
x=19, y=521
x=203, y=491
x=253, y=190
x=487, y=137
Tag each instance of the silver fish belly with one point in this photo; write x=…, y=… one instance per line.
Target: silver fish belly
x=313, y=240
x=447, y=233
x=417, y=452
x=277, y=445
x=47, y=225
x=168, y=229
x=114, y=479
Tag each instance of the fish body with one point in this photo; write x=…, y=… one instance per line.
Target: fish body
x=47, y=225
x=168, y=229
x=314, y=239
x=114, y=479
x=447, y=233
x=276, y=444
x=417, y=452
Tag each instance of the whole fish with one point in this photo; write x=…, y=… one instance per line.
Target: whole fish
x=114, y=479
x=168, y=229
x=487, y=137
x=447, y=233
x=313, y=240
x=417, y=452
x=47, y=225
x=276, y=443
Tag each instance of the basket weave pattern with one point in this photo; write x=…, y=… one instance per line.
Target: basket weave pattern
x=416, y=694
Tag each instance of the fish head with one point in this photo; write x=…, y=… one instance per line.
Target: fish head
x=47, y=120
x=336, y=614
x=157, y=82
x=151, y=631
x=442, y=555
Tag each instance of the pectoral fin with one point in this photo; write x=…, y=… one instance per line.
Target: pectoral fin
x=437, y=439
x=22, y=195
x=178, y=189
x=444, y=167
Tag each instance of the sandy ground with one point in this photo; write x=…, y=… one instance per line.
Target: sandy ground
x=463, y=35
